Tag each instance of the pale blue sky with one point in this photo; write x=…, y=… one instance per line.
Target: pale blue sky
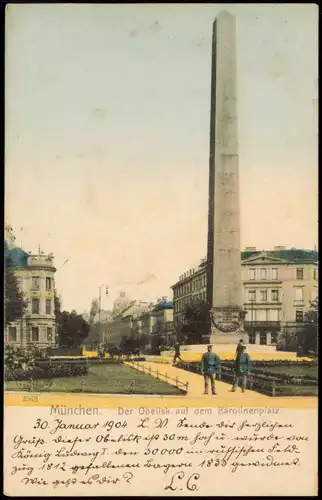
x=107, y=136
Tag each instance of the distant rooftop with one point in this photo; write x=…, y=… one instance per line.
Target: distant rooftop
x=163, y=305
x=17, y=256
x=292, y=255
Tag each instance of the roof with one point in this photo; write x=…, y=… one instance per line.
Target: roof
x=289, y=254
x=292, y=255
x=17, y=256
x=163, y=305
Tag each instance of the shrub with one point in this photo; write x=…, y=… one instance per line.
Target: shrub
x=23, y=374
x=18, y=358
x=66, y=370
x=46, y=372
x=105, y=361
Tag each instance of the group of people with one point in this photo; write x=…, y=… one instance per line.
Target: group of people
x=211, y=369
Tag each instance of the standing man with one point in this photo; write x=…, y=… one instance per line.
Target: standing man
x=210, y=367
x=176, y=353
x=239, y=347
x=242, y=370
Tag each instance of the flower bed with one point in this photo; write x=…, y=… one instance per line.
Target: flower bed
x=46, y=371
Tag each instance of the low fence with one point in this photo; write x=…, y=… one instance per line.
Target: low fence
x=160, y=376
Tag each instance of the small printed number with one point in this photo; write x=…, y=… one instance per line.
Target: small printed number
x=32, y=399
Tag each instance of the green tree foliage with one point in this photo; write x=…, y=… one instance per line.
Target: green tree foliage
x=129, y=345
x=310, y=331
x=143, y=341
x=93, y=311
x=72, y=329
x=14, y=303
x=197, y=321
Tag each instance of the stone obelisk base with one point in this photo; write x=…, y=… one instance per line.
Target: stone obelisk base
x=224, y=330
x=218, y=337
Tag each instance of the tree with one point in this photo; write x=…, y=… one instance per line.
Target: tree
x=128, y=345
x=308, y=337
x=72, y=329
x=143, y=341
x=197, y=321
x=93, y=311
x=158, y=342
x=14, y=303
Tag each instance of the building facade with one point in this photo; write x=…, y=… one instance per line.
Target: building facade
x=140, y=319
x=36, y=280
x=124, y=324
x=278, y=286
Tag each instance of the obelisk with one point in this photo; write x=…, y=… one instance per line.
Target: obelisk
x=224, y=285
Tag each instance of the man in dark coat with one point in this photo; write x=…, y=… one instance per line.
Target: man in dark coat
x=239, y=347
x=176, y=353
x=210, y=367
x=242, y=369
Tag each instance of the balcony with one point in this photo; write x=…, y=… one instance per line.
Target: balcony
x=260, y=304
x=249, y=324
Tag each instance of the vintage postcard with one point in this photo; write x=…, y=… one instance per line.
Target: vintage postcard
x=160, y=247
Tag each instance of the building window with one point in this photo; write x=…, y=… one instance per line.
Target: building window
x=299, y=294
x=48, y=306
x=35, y=283
x=273, y=314
x=49, y=333
x=12, y=333
x=299, y=273
x=263, y=273
x=275, y=273
x=252, y=274
x=314, y=274
x=263, y=294
x=275, y=296
x=261, y=315
x=48, y=283
x=251, y=295
x=299, y=316
x=35, y=306
x=35, y=334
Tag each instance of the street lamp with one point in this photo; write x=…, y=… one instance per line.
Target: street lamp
x=100, y=306
x=252, y=320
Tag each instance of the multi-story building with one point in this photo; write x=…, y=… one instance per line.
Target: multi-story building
x=35, y=275
x=278, y=286
x=124, y=324
x=139, y=319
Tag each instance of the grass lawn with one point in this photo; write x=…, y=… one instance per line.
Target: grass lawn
x=108, y=379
